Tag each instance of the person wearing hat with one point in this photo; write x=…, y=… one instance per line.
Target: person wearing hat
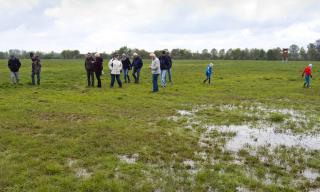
x=36, y=68
x=164, y=65
x=126, y=66
x=89, y=66
x=307, y=74
x=14, y=66
x=115, y=67
x=137, y=64
x=98, y=67
x=155, y=70
x=209, y=72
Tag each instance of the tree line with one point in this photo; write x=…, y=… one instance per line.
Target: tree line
x=295, y=53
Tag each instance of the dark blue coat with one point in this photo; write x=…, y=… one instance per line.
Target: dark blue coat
x=164, y=62
x=137, y=63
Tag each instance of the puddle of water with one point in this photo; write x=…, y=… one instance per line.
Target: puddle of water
x=310, y=174
x=315, y=190
x=83, y=173
x=266, y=137
x=184, y=112
x=242, y=189
x=80, y=172
x=129, y=159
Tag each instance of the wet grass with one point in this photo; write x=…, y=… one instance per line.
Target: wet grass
x=132, y=140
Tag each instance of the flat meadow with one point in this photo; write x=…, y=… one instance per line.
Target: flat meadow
x=253, y=129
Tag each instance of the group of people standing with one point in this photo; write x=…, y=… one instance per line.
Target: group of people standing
x=118, y=65
x=14, y=65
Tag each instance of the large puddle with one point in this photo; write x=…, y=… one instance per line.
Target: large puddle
x=265, y=137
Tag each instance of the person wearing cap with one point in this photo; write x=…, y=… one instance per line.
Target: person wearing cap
x=115, y=67
x=36, y=68
x=126, y=66
x=164, y=65
x=307, y=74
x=14, y=66
x=98, y=67
x=155, y=70
x=209, y=72
x=170, y=66
x=137, y=64
x=89, y=66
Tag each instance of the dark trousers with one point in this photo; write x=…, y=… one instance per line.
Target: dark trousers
x=136, y=74
x=208, y=78
x=113, y=77
x=155, y=82
x=98, y=76
x=38, y=77
x=90, y=77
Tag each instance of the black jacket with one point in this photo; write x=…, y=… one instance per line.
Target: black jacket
x=14, y=64
x=98, y=64
x=126, y=64
x=89, y=64
x=164, y=62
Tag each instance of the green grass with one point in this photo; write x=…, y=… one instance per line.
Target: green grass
x=43, y=129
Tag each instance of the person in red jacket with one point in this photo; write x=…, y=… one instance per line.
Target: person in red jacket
x=307, y=74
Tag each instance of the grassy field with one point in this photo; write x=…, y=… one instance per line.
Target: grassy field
x=63, y=136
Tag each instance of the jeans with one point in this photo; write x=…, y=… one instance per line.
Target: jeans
x=136, y=74
x=38, y=77
x=169, y=75
x=90, y=77
x=126, y=75
x=208, y=78
x=155, y=82
x=113, y=77
x=307, y=81
x=98, y=76
x=163, y=77
x=14, y=77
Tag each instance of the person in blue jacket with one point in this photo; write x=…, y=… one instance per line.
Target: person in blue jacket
x=209, y=72
x=137, y=64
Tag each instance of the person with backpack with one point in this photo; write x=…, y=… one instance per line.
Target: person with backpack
x=155, y=70
x=89, y=66
x=137, y=64
x=36, y=68
x=307, y=74
x=115, y=67
x=98, y=67
x=209, y=71
x=126, y=66
x=164, y=65
x=14, y=66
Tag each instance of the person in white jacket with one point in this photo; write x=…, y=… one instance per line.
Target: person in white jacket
x=115, y=67
x=155, y=70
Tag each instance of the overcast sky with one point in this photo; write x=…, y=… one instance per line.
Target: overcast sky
x=106, y=25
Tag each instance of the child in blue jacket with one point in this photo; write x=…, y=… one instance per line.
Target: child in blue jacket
x=209, y=72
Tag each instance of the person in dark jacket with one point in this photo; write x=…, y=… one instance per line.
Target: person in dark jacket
x=137, y=64
x=170, y=66
x=89, y=66
x=98, y=67
x=36, y=68
x=126, y=66
x=164, y=65
x=14, y=66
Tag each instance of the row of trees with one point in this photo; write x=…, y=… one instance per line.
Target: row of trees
x=295, y=53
